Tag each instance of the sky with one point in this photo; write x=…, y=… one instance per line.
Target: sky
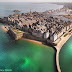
x=35, y=0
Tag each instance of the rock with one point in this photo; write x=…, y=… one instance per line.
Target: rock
x=1, y=20
x=16, y=11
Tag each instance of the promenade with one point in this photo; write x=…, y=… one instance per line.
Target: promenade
x=59, y=46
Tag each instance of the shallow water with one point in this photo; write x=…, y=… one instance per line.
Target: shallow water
x=24, y=56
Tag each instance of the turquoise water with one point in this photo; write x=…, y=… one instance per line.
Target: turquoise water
x=24, y=56
x=66, y=56
x=21, y=55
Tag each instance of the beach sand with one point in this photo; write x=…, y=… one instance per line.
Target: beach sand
x=33, y=41
x=3, y=27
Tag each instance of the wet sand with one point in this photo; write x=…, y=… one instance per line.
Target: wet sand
x=34, y=41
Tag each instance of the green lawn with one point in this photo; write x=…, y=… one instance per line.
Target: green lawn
x=65, y=34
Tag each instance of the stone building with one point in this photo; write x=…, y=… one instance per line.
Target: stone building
x=54, y=37
x=16, y=34
x=37, y=33
x=46, y=34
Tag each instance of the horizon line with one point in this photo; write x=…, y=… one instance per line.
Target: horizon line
x=42, y=2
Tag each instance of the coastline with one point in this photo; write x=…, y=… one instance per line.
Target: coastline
x=3, y=27
x=33, y=41
x=63, y=41
x=58, y=48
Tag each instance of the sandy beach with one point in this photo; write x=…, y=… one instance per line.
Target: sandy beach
x=36, y=42
x=3, y=27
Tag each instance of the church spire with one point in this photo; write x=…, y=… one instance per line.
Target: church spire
x=30, y=12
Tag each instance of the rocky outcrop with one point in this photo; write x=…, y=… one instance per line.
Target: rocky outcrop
x=1, y=20
x=16, y=11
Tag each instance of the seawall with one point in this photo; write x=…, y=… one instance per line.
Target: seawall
x=58, y=48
